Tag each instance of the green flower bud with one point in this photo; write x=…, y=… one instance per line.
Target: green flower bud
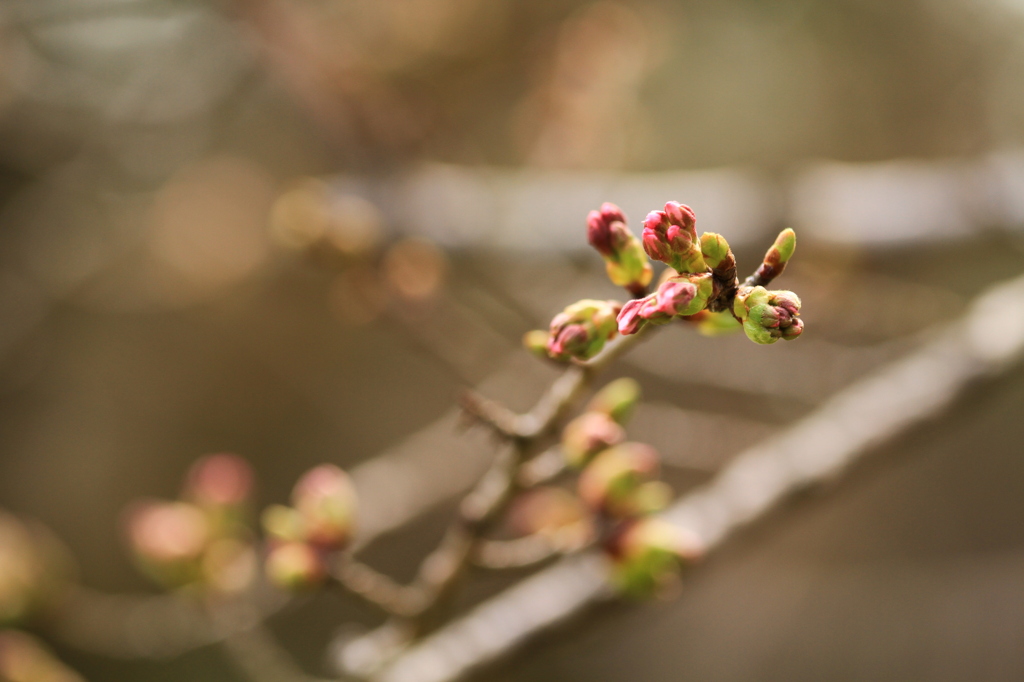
x=295, y=566
x=35, y=570
x=648, y=554
x=714, y=248
x=587, y=435
x=617, y=399
x=536, y=342
x=768, y=316
x=624, y=257
x=283, y=523
x=610, y=483
x=776, y=258
x=581, y=330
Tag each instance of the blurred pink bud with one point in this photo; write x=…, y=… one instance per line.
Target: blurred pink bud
x=167, y=532
x=582, y=329
x=295, y=566
x=606, y=230
x=587, y=435
x=671, y=299
x=610, y=483
x=326, y=499
x=629, y=318
x=222, y=480
x=648, y=555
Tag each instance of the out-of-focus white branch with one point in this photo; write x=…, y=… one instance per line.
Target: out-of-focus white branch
x=988, y=339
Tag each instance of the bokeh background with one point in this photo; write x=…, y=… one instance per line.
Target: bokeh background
x=294, y=229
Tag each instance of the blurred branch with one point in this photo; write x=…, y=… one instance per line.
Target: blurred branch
x=986, y=341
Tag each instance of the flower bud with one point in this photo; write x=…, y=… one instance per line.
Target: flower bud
x=35, y=569
x=283, y=524
x=624, y=257
x=768, y=316
x=295, y=566
x=553, y=513
x=714, y=248
x=24, y=659
x=222, y=480
x=670, y=236
x=617, y=399
x=536, y=342
x=168, y=539
x=581, y=330
x=326, y=500
x=647, y=555
x=777, y=257
x=609, y=484
x=676, y=296
x=587, y=435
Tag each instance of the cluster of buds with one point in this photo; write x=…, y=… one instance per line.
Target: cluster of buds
x=320, y=521
x=202, y=540
x=618, y=484
x=700, y=285
x=624, y=257
x=35, y=570
x=24, y=659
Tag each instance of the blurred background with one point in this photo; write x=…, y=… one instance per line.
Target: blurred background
x=294, y=229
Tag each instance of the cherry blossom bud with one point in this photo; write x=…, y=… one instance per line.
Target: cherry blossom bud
x=714, y=248
x=222, y=480
x=768, y=316
x=670, y=236
x=35, y=569
x=536, y=342
x=283, y=524
x=610, y=482
x=24, y=659
x=168, y=539
x=624, y=257
x=617, y=399
x=553, y=513
x=295, y=566
x=629, y=320
x=326, y=500
x=581, y=330
x=777, y=257
x=675, y=297
x=647, y=555
x=587, y=435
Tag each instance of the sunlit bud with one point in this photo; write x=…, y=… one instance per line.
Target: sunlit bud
x=295, y=566
x=670, y=236
x=536, y=341
x=714, y=248
x=718, y=324
x=624, y=257
x=581, y=330
x=617, y=399
x=677, y=296
x=777, y=257
x=24, y=659
x=229, y=566
x=221, y=480
x=35, y=569
x=587, y=435
x=168, y=539
x=648, y=554
x=768, y=316
x=283, y=523
x=551, y=512
x=609, y=483
x=326, y=500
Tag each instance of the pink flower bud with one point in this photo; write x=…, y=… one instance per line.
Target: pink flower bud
x=629, y=319
x=606, y=229
x=587, y=435
x=648, y=554
x=326, y=500
x=222, y=480
x=671, y=299
x=670, y=236
x=168, y=540
x=609, y=484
